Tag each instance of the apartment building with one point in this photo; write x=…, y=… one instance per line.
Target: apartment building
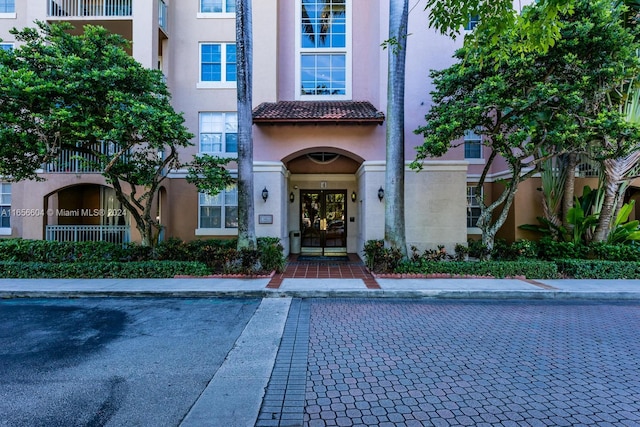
x=320, y=79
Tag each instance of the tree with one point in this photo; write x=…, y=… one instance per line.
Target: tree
x=532, y=106
x=244, y=51
x=85, y=94
x=394, y=220
x=497, y=17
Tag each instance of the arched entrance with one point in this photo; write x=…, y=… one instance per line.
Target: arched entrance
x=325, y=216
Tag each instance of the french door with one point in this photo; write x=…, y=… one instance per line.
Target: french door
x=323, y=222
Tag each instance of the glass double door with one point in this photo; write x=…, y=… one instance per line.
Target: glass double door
x=323, y=222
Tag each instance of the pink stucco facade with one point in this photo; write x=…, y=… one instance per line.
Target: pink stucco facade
x=323, y=179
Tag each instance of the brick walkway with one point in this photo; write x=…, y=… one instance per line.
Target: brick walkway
x=441, y=363
x=325, y=269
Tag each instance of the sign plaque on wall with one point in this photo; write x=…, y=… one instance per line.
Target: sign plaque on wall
x=265, y=219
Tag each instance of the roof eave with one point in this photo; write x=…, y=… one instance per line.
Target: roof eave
x=286, y=121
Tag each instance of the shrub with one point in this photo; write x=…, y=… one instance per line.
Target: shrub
x=380, y=259
x=220, y=255
x=500, y=269
x=99, y=270
x=271, y=254
x=550, y=249
x=462, y=252
x=56, y=252
x=620, y=252
x=597, y=269
x=477, y=249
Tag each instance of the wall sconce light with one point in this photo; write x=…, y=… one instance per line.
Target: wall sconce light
x=292, y=197
x=380, y=193
x=265, y=194
x=354, y=196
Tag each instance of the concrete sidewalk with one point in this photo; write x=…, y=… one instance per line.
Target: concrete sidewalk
x=303, y=288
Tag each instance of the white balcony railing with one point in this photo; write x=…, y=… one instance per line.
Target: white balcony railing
x=78, y=162
x=118, y=234
x=89, y=8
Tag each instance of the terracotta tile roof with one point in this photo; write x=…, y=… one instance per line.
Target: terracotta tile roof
x=338, y=112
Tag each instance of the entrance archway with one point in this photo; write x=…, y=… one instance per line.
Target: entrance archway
x=320, y=181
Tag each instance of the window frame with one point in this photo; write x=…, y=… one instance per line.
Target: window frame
x=223, y=142
x=5, y=189
x=473, y=204
x=302, y=51
x=472, y=23
x=470, y=142
x=7, y=13
x=223, y=82
x=224, y=229
x=221, y=14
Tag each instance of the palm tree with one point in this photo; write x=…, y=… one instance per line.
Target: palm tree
x=394, y=220
x=244, y=52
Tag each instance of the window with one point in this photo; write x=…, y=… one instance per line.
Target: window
x=6, y=46
x=473, y=21
x=5, y=205
x=218, y=132
x=472, y=145
x=217, y=62
x=473, y=207
x=219, y=209
x=323, y=43
x=217, y=6
x=7, y=6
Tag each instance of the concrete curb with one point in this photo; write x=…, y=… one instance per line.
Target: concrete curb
x=368, y=293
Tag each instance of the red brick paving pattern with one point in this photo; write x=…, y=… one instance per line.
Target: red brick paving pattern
x=352, y=269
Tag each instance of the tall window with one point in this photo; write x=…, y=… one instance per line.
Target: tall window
x=217, y=62
x=219, y=211
x=217, y=6
x=473, y=207
x=218, y=132
x=5, y=205
x=324, y=60
x=472, y=145
x=7, y=6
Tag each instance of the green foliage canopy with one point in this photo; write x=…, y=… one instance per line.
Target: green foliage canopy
x=62, y=91
x=535, y=102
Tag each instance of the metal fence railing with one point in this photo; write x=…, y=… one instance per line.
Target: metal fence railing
x=86, y=8
x=118, y=234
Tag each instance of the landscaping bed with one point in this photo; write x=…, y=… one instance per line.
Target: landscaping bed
x=22, y=258
x=522, y=259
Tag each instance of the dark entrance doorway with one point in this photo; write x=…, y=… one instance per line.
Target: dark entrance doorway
x=323, y=221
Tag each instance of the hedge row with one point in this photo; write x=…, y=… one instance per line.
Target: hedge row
x=101, y=270
x=595, y=269
x=499, y=269
x=220, y=256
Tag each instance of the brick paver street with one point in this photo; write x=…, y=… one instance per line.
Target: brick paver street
x=373, y=362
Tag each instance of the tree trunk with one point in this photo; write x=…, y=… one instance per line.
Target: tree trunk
x=489, y=229
x=611, y=183
x=614, y=172
x=394, y=223
x=244, y=52
x=569, y=189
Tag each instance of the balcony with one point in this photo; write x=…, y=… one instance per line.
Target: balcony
x=78, y=162
x=89, y=8
x=118, y=234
